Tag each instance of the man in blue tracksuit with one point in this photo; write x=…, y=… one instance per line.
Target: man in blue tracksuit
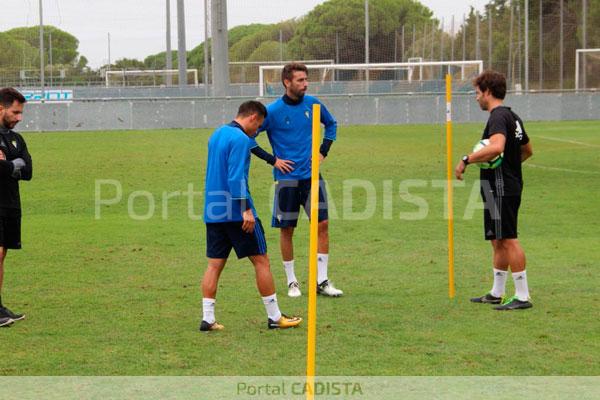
x=230, y=216
x=289, y=128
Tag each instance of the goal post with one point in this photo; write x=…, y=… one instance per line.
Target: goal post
x=587, y=69
x=357, y=78
x=247, y=71
x=143, y=77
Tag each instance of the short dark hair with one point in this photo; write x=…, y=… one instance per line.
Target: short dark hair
x=9, y=95
x=492, y=80
x=250, y=107
x=288, y=71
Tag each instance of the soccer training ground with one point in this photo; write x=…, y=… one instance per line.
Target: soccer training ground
x=114, y=253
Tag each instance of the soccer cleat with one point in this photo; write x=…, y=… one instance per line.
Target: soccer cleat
x=284, y=322
x=326, y=288
x=215, y=326
x=6, y=313
x=294, y=289
x=514, y=304
x=488, y=299
x=5, y=321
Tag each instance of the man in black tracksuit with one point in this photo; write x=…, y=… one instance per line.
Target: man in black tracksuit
x=501, y=188
x=15, y=165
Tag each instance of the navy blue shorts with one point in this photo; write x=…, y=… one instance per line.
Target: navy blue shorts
x=10, y=231
x=222, y=237
x=289, y=196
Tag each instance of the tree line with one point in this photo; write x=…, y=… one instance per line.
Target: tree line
x=334, y=30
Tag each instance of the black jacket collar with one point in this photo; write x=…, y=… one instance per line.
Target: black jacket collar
x=291, y=102
x=235, y=124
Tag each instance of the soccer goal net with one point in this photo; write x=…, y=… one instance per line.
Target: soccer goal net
x=248, y=71
x=151, y=77
x=587, y=69
x=409, y=77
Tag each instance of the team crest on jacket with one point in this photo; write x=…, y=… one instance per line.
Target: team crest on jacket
x=14, y=143
x=307, y=114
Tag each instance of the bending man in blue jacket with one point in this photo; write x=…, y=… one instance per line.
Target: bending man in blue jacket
x=289, y=129
x=231, y=219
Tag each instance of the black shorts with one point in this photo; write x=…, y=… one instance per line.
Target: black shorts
x=289, y=196
x=10, y=231
x=500, y=216
x=222, y=237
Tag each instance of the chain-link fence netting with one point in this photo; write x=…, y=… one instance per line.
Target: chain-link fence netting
x=534, y=43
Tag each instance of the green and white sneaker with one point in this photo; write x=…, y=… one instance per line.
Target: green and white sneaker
x=294, y=289
x=6, y=313
x=487, y=299
x=514, y=303
x=326, y=288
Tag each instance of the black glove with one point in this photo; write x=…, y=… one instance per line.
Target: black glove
x=17, y=163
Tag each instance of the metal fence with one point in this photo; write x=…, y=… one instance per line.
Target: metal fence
x=348, y=110
x=533, y=42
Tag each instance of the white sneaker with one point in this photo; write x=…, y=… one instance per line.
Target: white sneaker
x=294, y=289
x=326, y=288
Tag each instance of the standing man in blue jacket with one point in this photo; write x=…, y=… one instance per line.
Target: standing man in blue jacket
x=15, y=165
x=231, y=219
x=289, y=129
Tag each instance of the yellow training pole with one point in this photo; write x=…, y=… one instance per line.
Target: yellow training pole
x=451, y=291
x=312, y=265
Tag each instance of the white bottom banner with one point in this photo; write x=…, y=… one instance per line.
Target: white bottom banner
x=289, y=387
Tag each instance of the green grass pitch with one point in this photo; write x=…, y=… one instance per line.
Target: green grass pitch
x=120, y=296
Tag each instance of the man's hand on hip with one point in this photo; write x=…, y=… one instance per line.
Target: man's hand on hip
x=284, y=166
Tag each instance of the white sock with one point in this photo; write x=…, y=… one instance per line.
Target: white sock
x=521, y=289
x=208, y=310
x=288, y=266
x=272, y=307
x=322, y=260
x=499, y=283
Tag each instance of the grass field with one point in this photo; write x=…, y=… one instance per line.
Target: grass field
x=120, y=296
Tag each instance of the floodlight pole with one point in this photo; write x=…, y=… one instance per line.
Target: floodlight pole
x=220, y=48
x=464, y=41
x=477, y=48
x=169, y=59
x=50, y=57
x=181, y=50
x=206, y=48
x=108, y=45
x=367, y=42
x=42, y=78
x=561, y=69
x=526, y=45
x=584, y=40
x=509, y=72
x=490, y=44
x=452, y=42
x=541, y=50
x=412, y=48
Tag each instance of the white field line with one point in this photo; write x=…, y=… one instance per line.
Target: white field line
x=561, y=169
x=567, y=141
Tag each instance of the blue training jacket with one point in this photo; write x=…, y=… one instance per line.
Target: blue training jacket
x=289, y=129
x=226, y=191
